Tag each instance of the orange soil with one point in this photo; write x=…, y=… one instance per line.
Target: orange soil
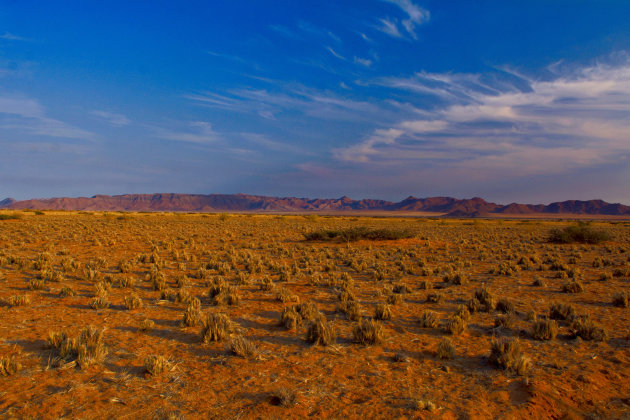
x=569, y=378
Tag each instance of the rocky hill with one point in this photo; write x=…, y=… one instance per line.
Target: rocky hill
x=242, y=202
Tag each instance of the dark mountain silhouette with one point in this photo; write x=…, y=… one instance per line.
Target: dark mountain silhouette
x=473, y=207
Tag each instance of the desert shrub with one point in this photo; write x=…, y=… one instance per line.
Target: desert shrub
x=545, y=329
x=435, y=297
x=463, y=312
x=216, y=327
x=621, y=299
x=133, y=301
x=561, y=311
x=67, y=291
x=99, y=302
x=351, y=308
x=19, y=300
x=505, y=305
x=505, y=321
x=383, y=312
x=37, y=285
x=228, y=296
x=428, y=319
x=368, y=332
x=485, y=298
x=157, y=365
x=321, y=332
x=146, y=325
x=266, y=284
x=9, y=365
x=586, y=329
x=192, y=315
x=290, y=318
x=357, y=233
x=446, y=349
x=242, y=347
x=507, y=354
x=455, y=325
x=401, y=288
x=538, y=282
x=572, y=286
x=10, y=216
x=346, y=295
x=285, y=295
x=181, y=281
x=283, y=397
x=86, y=350
x=581, y=232
x=395, y=299
x=126, y=282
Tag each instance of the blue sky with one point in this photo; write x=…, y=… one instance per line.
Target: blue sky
x=523, y=101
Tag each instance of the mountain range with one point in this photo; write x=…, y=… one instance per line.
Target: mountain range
x=255, y=203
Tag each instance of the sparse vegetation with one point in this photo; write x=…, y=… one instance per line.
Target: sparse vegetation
x=581, y=232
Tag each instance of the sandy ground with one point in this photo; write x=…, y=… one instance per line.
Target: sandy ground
x=401, y=377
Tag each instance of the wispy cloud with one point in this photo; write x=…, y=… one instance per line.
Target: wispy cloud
x=366, y=62
x=499, y=129
x=11, y=37
x=336, y=54
x=29, y=116
x=389, y=27
x=416, y=16
x=199, y=132
x=111, y=118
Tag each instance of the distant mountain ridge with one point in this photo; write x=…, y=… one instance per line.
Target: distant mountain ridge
x=244, y=202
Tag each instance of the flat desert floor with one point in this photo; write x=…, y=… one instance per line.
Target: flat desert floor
x=115, y=315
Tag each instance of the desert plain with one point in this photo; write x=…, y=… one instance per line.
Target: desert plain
x=177, y=315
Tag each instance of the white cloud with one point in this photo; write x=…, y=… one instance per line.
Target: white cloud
x=29, y=116
x=199, y=132
x=416, y=15
x=363, y=61
x=11, y=37
x=495, y=129
x=117, y=120
x=390, y=28
x=336, y=54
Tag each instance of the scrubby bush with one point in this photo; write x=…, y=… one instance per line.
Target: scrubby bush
x=545, y=329
x=507, y=354
x=321, y=332
x=157, y=365
x=581, y=232
x=357, y=233
x=428, y=319
x=446, y=349
x=216, y=327
x=368, y=332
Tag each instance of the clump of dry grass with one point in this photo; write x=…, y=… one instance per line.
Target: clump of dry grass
x=67, y=291
x=9, y=365
x=621, y=299
x=545, y=329
x=242, y=347
x=266, y=284
x=435, y=297
x=505, y=305
x=157, y=365
x=383, y=312
x=99, y=302
x=216, y=327
x=146, y=325
x=19, y=300
x=507, y=354
x=455, y=325
x=505, y=321
x=37, y=284
x=293, y=316
x=572, y=286
x=86, y=350
x=351, y=309
x=585, y=328
x=428, y=319
x=285, y=295
x=283, y=397
x=321, y=332
x=368, y=332
x=446, y=349
x=133, y=301
x=561, y=311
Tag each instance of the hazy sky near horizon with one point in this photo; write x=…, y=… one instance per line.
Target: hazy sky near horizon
x=524, y=101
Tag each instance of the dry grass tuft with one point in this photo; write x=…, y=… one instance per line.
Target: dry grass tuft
x=368, y=332
x=507, y=354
